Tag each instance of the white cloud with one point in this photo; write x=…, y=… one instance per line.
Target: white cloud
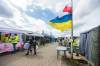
x=21, y=3
x=31, y=10
x=86, y=16
x=55, y=5
x=5, y=11
x=85, y=7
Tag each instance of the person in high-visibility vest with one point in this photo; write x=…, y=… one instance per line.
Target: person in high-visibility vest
x=74, y=43
x=66, y=42
x=6, y=39
x=14, y=41
x=75, y=47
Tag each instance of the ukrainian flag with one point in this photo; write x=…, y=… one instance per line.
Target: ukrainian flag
x=62, y=23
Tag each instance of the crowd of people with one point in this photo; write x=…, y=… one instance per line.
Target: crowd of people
x=67, y=43
x=33, y=42
x=14, y=39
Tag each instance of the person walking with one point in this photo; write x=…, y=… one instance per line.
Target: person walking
x=30, y=47
x=32, y=44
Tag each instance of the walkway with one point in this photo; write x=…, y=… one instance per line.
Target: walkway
x=46, y=57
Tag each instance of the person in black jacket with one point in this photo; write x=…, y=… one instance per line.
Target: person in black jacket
x=32, y=44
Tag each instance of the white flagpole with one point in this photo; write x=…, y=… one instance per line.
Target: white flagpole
x=72, y=31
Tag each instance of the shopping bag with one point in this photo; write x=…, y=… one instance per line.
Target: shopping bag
x=26, y=45
x=37, y=47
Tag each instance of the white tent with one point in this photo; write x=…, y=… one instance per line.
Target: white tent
x=34, y=34
x=22, y=26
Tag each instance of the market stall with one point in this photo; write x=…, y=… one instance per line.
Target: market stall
x=6, y=42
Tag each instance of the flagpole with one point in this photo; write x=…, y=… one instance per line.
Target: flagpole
x=72, y=31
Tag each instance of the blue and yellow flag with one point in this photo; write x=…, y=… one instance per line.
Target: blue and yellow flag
x=62, y=23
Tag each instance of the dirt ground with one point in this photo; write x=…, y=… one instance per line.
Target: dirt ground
x=46, y=56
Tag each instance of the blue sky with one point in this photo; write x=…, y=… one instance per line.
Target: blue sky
x=43, y=14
